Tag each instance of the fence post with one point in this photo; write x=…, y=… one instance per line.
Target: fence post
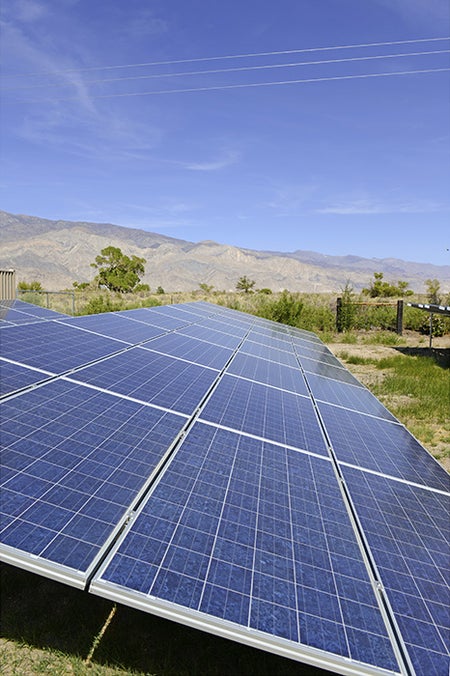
x=400, y=317
x=339, y=315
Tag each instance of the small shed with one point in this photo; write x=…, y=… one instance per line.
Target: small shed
x=7, y=284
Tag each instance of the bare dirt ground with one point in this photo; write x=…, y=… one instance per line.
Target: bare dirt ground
x=410, y=343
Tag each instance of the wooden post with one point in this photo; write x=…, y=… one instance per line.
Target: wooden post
x=339, y=315
x=399, y=323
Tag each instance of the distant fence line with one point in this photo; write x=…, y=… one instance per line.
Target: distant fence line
x=343, y=310
x=28, y=295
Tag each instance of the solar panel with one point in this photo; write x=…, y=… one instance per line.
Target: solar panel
x=157, y=319
x=152, y=378
x=55, y=347
x=14, y=377
x=323, y=369
x=229, y=473
x=408, y=530
x=382, y=446
x=261, y=552
x=269, y=373
x=262, y=351
x=19, y=312
x=211, y=336
x=347, y=395
x=267, y=412
x=116, y=326
x=73, y=462
x=191, y=349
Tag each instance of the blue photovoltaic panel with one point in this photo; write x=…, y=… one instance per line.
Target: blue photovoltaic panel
x=317, y=352
x=265, y=412
x=211, y=336
x=151, y=377
x=348, y=396
x=184, y=313
x=18, y=312
x=408, y=531
x=14, y=377
x=235, y=317
x=267, y=372
x=14, y=317
x=154, y=319
x=273, y=342
x=322, y=369
x=382, y=446
x=256, y=535
x=79, y=458
x=116, y=326
x=245, y=526
x=54, y=347
x=272, y=354
x=223, y=326
x=191, y=349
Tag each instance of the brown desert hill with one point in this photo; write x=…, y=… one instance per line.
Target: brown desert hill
x=57, y=253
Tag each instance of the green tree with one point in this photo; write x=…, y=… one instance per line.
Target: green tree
x=206, y=288
x=117, y=271
x=30, y=286
x=245, y=284
x=380, y=289
x=433, y=287
x=347, y=311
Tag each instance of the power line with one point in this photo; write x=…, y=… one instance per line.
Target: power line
x=233, y=70
x=230, y=56
x=240, y=86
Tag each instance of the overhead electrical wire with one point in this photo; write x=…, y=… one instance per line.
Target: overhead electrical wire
x=241, y=86
x=216, y=71
x=229, y=56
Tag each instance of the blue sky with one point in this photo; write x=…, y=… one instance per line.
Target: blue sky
x=339, y=166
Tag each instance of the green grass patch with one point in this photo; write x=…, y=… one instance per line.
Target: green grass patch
x=421, y=380
x=382, y=338
x=355, y=359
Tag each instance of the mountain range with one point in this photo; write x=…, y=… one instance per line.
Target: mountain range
x=57, y=253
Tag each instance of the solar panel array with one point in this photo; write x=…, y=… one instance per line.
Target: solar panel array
x=228, y=473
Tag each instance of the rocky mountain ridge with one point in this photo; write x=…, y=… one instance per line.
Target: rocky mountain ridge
x=57, y=253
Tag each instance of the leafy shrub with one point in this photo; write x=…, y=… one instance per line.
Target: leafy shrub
x=100, y=304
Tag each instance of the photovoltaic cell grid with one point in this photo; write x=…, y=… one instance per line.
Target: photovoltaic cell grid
x=54, y=347
x=73, y=461
x=152, y=378
x=115, y=326
x=15, y=377
x=408, y=531
x=257, y=535
x=268, y=399
x=19, y=312
x=386, y=447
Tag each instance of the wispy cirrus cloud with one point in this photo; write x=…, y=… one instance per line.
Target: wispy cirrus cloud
x=35, y=56
x=367, y=207
x=225, y=159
